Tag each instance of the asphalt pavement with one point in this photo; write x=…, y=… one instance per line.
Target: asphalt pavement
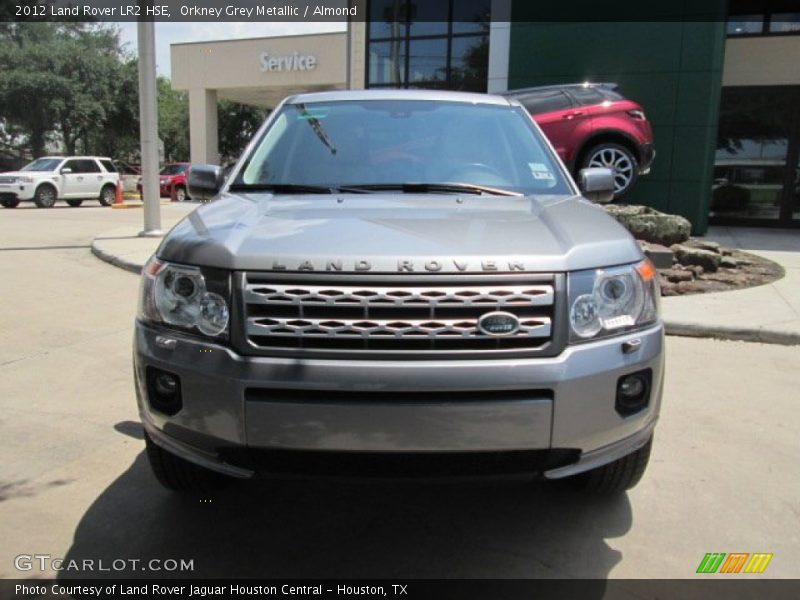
x=75, y=484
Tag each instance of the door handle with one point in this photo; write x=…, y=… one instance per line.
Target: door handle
x=80, y=177
x=572, y=115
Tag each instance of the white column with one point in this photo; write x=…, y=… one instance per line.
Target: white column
x=499, y=46
x=148, y=128
x=203, y=132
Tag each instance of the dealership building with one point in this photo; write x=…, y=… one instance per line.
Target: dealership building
x=720, y=87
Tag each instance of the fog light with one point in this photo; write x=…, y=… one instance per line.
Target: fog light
x=165, y=385
x=164, y=391
x=631, y=387
x=633, y=392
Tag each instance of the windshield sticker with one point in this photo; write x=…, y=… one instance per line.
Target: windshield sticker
x=540, y=171
x=312, y=113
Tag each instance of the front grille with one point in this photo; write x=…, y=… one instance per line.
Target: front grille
x=392, y=316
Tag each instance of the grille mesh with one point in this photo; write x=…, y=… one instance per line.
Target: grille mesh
x=382, y=316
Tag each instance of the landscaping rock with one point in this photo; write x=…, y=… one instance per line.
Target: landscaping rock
x=676, y=276
x=696, y=269
x=728, y=262
x=710, y=261
x=668, y=289
x=688, y=287
x=650, y=225
x=661, y=256
x=707, y=245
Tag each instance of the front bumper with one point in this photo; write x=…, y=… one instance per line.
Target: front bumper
x=235, y=405
x=16, y=191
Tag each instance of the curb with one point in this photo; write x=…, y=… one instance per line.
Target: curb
x=721, y=332
x=135, y=204
x=115, y=260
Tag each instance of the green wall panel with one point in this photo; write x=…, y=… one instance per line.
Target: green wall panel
x=672, y=68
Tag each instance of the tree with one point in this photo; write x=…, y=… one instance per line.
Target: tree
x=119, y=135
x=57, y=81
x=173, y=121
x=28, y=83
x=71, y=84
x=237, y=124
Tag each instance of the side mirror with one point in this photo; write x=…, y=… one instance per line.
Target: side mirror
x=597, y=184
x=66, y=171
x=204, y=181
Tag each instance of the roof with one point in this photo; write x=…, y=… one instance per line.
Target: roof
x=397, y=94
x=541, y=88
x=75, y=157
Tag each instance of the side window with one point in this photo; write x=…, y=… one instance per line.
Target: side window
x=546, y=101
x=109, y=166
x=87, y=165
x=72, y=164
x=586, y=96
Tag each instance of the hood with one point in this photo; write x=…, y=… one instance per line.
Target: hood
x=387, y=233
x=29, y=174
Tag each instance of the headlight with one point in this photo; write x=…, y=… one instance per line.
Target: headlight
x=179, y=295
x=609, y=301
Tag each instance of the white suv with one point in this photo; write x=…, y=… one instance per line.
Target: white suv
x=70, y=178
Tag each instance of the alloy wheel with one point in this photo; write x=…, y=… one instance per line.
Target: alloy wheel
x=619, y=162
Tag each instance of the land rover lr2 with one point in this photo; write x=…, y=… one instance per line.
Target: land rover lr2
x=399, y=282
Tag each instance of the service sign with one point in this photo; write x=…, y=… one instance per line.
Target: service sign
x=291, y=62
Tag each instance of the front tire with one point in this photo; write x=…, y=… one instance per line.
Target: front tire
x=74, y=203
x=107, y=195
x=9, y=202
x=180, y=194
x=45, y=196
x=180, y=475
x=619, y=159
x=616, y=477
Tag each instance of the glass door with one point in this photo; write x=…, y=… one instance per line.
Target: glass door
x=756, y=168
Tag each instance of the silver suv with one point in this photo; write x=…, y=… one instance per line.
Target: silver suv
x=70, y=178
x=399, y=282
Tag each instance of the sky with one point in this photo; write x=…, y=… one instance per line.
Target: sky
x=171, y=33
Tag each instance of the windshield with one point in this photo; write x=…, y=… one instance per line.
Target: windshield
x=374, y=142
x=173, y=169
x=43, y=164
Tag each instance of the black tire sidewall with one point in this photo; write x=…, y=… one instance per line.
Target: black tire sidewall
x=103, y=195
x=9, y=203
x=37, y=196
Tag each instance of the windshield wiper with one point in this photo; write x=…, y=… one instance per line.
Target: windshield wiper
x=283, y=188
x=429, y=188
x=316, y=126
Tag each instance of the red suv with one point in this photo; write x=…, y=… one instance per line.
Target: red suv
x=172, y=175
x=591, y=125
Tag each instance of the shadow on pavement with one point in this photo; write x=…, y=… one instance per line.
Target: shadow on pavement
x=327, y=528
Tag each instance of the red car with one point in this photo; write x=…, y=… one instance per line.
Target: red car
x=592, y=125
x=172, y=175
